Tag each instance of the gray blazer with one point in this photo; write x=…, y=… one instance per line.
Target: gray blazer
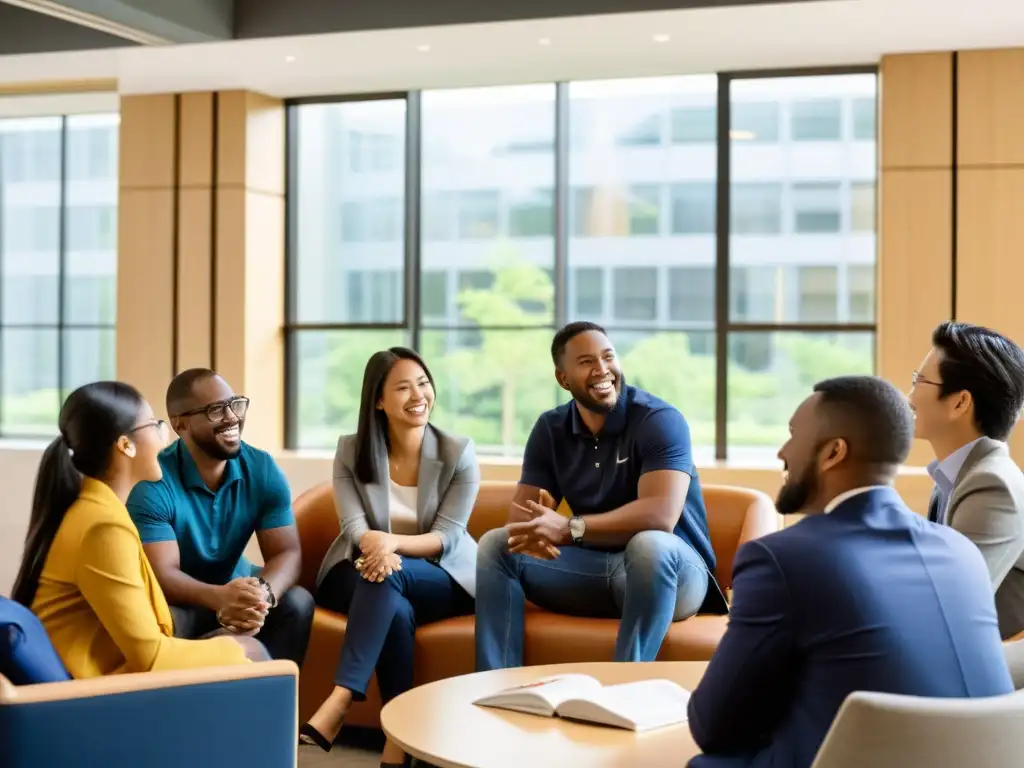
x=449, y=479
x=987, y=506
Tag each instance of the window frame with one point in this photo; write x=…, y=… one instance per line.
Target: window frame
x=724, y=327
x=63, y=326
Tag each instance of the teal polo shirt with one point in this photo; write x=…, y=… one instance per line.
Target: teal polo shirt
x=212, y=528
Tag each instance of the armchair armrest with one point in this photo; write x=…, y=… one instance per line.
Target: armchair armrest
x=237, y=715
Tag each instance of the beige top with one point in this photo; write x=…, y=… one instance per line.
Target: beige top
x=438, y=723
x=402, y=509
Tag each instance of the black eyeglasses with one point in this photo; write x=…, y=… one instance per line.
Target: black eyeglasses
x=916, y=378
x=160, y=424
x=216, y=412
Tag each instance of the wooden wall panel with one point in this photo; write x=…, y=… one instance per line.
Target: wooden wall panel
x=990, y=270
x=915, y=238
x=195, y=167
x=145, y=295
x=916, y=94
x=147, y=141
x=991, y=108
x=249, y=290
x=915, y=273
x=195, y=278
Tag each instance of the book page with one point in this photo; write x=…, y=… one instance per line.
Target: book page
x=542, y=696
x=638, y=706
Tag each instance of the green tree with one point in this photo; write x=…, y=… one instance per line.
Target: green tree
x=494, y=379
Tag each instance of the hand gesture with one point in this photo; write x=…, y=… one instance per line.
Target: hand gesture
x=378, y=567
x=242, y=606
x=377, y=542
x=535, y=529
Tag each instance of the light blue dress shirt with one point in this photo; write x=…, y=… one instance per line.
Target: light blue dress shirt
x=945, y=472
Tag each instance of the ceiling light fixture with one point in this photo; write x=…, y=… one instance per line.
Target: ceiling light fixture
x=289, y=59
x=423, y=48
x=544, y=41
x=742, y=135
x=661, y=38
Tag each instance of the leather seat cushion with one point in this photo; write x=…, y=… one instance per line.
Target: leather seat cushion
x=446, y=649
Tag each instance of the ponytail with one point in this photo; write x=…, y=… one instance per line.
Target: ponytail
x=57, y=487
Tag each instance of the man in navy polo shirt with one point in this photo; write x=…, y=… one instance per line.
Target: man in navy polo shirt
x=637, y=546
x=196, y=521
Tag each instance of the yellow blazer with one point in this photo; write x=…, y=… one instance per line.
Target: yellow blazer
x=101, y=604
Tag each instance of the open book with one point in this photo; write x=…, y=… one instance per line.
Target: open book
x=638, y=706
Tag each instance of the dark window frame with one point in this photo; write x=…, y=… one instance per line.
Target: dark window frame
x=724, y=327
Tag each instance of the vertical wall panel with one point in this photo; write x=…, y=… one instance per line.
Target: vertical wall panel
x=249, y=295
x=146, y=244
x=915, y=258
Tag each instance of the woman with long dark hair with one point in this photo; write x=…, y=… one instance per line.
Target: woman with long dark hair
x=84, y=572
x=404, y=491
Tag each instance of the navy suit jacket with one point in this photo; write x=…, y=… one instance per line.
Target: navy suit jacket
x=870, y=597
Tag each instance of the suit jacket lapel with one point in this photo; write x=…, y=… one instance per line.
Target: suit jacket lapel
x=430, y=471
x=984, y=447
x=981, y=449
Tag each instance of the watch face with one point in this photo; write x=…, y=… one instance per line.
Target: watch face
x=576, y=528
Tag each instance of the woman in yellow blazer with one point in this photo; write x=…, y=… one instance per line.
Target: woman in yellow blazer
x=84, y=572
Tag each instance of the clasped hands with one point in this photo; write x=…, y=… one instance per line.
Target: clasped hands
x=536, y=529
x=243, y=606
x=379, y=559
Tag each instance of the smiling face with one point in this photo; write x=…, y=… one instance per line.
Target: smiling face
x=590, y=371
x=934, y=416
x=799, y=455
x=407, y=395
x=217, y=419
x=143, y=444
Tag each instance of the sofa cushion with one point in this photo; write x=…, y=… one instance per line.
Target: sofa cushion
x=26, y=654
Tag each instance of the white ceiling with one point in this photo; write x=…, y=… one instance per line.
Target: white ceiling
x=835, y=32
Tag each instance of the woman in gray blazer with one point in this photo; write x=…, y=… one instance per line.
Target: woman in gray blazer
x=404, y=491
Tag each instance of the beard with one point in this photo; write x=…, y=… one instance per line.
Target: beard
x=215, y=450
x=583, y=397
x=795, y=495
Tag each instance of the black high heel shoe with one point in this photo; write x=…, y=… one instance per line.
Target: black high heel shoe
x=311, y=735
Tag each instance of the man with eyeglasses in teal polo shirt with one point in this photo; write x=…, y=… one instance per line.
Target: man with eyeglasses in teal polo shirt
x=195, y=523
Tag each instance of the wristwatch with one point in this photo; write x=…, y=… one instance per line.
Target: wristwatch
x=577, y=527
x=270, y=591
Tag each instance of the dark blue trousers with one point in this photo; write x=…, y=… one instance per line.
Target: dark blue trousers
x=382, y=620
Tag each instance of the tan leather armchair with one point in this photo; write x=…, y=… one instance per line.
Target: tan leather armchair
x=445, y=649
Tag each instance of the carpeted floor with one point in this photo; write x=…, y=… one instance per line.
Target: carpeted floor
x=355, y=748
x=339, y=757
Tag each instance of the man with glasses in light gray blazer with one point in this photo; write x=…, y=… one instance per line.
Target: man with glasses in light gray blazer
x=967, y=397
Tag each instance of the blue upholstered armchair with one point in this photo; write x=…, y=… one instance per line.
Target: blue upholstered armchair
x=241, y=715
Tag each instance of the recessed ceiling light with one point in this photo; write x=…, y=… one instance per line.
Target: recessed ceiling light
x=544, y=41
x=661, y=38
x=289, y=59
x=423, y=48
x=742, y=135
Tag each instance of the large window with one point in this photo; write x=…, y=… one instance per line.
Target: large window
x=720, y=227
x=58, y=259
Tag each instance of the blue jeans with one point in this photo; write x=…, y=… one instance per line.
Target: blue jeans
x=657, y=579
x=382, y=620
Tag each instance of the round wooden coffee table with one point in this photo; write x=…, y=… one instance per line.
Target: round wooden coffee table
x=439, y=723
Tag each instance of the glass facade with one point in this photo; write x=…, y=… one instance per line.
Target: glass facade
x=471, y=223
x=58, y=262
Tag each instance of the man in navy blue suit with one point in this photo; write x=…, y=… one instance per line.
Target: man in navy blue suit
x=862, y=594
